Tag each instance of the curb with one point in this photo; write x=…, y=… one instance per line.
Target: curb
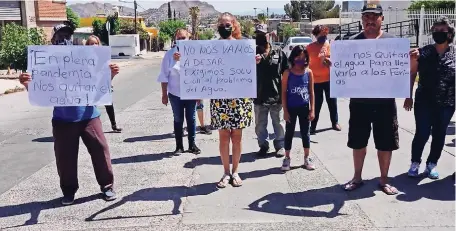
x=14, y=90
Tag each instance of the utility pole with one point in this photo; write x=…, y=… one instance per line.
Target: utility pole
x=136, y=7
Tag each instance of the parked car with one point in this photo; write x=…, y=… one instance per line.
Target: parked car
x=294, y=41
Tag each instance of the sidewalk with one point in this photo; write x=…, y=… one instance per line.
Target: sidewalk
x=159, y=191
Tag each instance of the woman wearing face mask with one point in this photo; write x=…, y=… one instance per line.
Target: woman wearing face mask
x=434, y=97
x=319, y=63
x=95, y=41
x=230, y=116
x=298, y=102
x=170, y=81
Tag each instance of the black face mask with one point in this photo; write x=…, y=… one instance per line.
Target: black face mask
x=261, y=40
x=440, y=37
x=225, y=32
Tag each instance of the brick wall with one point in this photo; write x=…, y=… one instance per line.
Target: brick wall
x=50, y=10
x=49, y=13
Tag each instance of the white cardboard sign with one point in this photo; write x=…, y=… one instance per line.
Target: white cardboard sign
x=69, y=75
x=217, y=69
x=370, y=68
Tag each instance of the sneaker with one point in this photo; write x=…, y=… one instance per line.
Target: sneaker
x=194, y=149
x=109, y=194
x=67, y=200
x=414, y=168
x=280, y=152
x=431, y=171
x=179, y=150
x=263, y=151
x=205, y=130
x=116, y=129
x=337, y=127
x=308, y=164
x=286, y=164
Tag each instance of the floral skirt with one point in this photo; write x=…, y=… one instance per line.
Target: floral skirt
x=231, y=113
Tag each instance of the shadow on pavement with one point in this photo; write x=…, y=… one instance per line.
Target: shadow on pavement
x=35, y=208
x=142, y=158
x=299, y=203
x=149, y=138
x=215, y=160
x=440, y=190
x=49, y=139
x=174, y=194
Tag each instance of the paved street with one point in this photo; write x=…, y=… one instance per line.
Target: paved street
x=159, y=191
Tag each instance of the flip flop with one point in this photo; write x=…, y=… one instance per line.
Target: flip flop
x=224, y=181
x=388, y=189
x=236, y=180
x=353, y=185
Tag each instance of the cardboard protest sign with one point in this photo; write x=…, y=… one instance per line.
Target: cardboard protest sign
x=370, y=68
x=69, y=75
x=217, y=69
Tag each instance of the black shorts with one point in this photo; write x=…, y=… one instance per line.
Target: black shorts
x=381, y=117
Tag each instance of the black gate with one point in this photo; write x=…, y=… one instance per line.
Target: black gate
x=349, y=29
x=405, y=29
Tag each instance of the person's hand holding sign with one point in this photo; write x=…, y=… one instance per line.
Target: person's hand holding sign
x=114, y=70
x=258, y=59
x=176, y=56
x=414, y=55
x=25, y=79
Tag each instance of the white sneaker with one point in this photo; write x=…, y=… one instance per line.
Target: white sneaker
x=308, y=164
x=286, y=164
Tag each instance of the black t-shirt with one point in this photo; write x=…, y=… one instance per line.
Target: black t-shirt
x=436, y=85
x=372, y=100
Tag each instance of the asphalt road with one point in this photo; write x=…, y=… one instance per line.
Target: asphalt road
x=22, y=126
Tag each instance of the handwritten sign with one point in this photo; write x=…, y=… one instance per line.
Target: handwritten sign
x=370, y=68
x=69, y=75
x=217, y=69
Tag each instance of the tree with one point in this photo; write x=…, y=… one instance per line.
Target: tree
x=13, y=46
x=293, y=10
x=262, y=18
x=99, y=28
x=318, y=9
x=432, y=4
x=168, y=28
x=194, y=14
x=273, y=15
x=169, y=11
x=288, y=31
x=247, y=28
x=72, y=17
x=206, y=35
x=128, y=27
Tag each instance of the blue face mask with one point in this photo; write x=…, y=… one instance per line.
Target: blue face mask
x=321, y=39
x=300, y=62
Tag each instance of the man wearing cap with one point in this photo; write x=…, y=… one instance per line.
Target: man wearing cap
x=271, y=63
x=380, y=114
x=71, y=123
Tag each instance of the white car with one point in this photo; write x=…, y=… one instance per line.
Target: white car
x=294, y=41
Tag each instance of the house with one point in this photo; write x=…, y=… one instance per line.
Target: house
x=44, y=14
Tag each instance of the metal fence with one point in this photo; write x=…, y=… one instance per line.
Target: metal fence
x=425, y=17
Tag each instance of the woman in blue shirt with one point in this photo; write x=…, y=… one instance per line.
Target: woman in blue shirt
x=298, y=102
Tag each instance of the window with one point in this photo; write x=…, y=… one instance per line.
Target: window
x=302, y=40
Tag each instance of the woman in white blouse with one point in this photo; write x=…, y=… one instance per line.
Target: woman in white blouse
x=170, y=81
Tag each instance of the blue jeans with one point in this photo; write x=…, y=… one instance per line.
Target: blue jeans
x=430, y=119
x=319, y=89
x=261, y=127
x=179, y=108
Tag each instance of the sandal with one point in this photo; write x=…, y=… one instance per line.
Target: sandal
x=224, y=181
x=388, y=189
x=237, y=181
x=353, y=185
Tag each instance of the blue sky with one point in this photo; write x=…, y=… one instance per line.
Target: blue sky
x=233, y=6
